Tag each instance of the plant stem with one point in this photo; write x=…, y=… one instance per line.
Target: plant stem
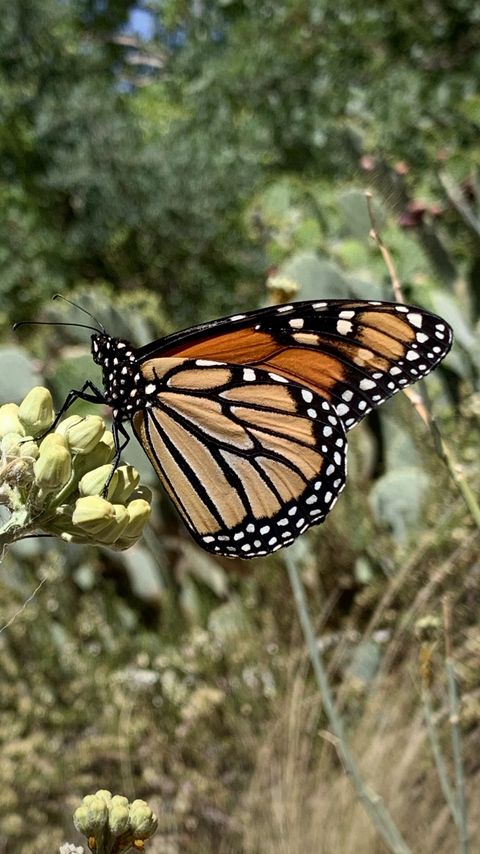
x=419, y=400
x=454, y=711
x=438, y=756
x=372, y=803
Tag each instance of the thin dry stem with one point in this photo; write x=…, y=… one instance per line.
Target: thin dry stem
x=419, y=400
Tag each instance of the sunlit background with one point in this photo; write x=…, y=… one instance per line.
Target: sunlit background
x=162, y=164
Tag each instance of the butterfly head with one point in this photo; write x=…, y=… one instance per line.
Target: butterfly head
x=110, y=352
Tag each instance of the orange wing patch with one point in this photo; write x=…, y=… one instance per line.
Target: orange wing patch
x=243, y=465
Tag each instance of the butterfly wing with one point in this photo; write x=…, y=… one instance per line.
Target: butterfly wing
x=355, y=354
x=250, y=459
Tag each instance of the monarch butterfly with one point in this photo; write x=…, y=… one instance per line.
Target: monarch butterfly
x=245, y=418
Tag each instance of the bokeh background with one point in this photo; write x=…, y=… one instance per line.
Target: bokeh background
x=160, y=163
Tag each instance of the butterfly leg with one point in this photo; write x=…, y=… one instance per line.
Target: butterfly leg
x=95, y=396
x=118, y=431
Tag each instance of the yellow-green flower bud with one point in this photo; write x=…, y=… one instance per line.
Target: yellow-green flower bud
x=53, y=467
x=93, y=482
x=80, y=819
x=105, y=794
x=53, y=440
x=93, y=513
x=110, y=534
x=128, y=479
x=36, y=411
x=143, y=822
x=118, y=819
x=139, y=512
x=119, y=801
x=9, y=420
x=91, y=816
x=10, y=444
x=28, y=448
x=82, y=433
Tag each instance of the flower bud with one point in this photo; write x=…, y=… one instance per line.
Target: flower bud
x=91, y=816
x=119, y=801
x=105, y=794
x=53, y=467
x=118, y=819
x=110, y=534
x=139, y=512
x=93, y=482
x=281, y=289
x=51, y=441
x=143, y=822
x=28, y=448
x=36, y=411
x=10, y=444
x=128, y=479
x=93, y=513
x=82, y=433
x=9, y=420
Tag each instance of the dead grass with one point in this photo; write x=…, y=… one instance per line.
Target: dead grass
x=301, y=802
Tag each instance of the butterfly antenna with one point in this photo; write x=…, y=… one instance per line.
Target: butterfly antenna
x=80, y=308
x=53, y=323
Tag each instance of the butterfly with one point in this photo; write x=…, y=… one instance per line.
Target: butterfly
x=244, y=419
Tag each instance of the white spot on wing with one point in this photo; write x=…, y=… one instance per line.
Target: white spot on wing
x=367, y=384
x=344, y=326
x=415, y=319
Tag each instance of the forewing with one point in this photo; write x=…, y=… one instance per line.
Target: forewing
x=250, y=458
x=355, y=354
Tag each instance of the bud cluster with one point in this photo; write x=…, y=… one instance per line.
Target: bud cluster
x=56, y=482
x=112, y=825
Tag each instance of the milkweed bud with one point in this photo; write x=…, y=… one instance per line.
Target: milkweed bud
x=143, y=822
x=91, y=816
x=93, y=482
x=10, y=444
x=119, y=801
x=281, y=289
x=82, y=433
x=93, y=513
x=36, y=411
x=139, y=512
x=118, y=819
x=9, y=420
x=110, y=534
x=28, y=448
x=53, y=440
x=127, y=480
x=105, y=794
x=53, y=467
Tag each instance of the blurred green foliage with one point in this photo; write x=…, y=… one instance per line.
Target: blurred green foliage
x=157, y=182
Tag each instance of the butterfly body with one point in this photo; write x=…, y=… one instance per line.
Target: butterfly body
x=245, y=418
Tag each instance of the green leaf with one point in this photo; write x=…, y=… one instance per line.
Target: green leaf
x=396, y=500
x=318, y=279
x=356, y=219
x=145, y=577
x=18, y=375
